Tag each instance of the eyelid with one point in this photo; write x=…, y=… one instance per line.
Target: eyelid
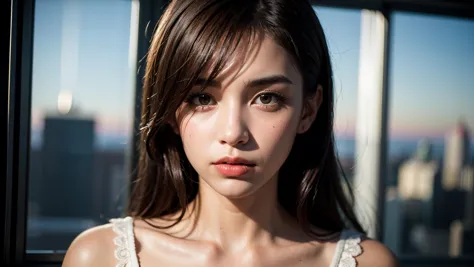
x=272, y=92
x=279, y=102
x=192, y=95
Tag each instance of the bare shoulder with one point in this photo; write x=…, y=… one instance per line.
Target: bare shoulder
x=93, y=247
x=375, y=253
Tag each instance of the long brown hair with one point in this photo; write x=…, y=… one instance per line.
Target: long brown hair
x=195, y=34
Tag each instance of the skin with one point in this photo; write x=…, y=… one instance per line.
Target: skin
x=235, y=221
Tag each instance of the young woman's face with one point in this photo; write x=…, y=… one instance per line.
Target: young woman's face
x=238, y=132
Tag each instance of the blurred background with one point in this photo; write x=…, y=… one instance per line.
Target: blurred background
x=85, y=60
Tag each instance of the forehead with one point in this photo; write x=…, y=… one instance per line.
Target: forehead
x=262, y=57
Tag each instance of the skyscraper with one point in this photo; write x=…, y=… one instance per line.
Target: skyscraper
x=68, y=167
x=66, y=192
x=417, y=176
x=419, y=192
x=456, y=155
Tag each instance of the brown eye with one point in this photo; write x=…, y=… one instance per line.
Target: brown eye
x=201, y=100
x=265, y=99
x=270, y=101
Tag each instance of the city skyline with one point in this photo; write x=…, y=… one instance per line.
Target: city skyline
x=429, y=80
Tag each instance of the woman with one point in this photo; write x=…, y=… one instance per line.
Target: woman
x=238, y=165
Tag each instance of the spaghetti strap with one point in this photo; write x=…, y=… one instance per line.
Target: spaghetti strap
x=125, y=251
x=347, y=248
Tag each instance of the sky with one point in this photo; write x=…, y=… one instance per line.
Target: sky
x=84, y=46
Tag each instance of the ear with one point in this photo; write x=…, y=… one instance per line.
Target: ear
x=310, y=110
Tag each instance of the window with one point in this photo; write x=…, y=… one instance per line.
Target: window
x=83, y=83
x=430, y=194
x=342, y=29
x=83, y=88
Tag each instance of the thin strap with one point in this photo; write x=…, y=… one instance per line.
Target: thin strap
x=125, y=251
x=347, y=248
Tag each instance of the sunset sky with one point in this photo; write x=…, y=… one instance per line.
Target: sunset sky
x=83, y=46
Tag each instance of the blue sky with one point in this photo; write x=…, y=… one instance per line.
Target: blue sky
x=103, y=86
x=83, y=46
x=432, y=70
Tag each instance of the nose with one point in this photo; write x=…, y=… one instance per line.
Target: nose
x=233, y=129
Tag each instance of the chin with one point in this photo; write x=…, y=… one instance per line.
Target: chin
x=234, y=188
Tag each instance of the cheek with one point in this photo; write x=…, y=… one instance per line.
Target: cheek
x=194, y=133
x=278, y=130
x=187, y=130
x=275, y=135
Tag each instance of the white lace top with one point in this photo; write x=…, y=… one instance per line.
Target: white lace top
x=347, y=248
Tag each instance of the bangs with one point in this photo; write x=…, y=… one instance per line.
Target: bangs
x=206, y=43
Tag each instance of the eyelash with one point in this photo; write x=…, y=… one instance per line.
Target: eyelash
x=191, y=96
x=280, y=100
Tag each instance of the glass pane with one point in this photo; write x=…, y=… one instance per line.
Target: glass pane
x=342, y=29
x=430, y=193
x=82, y=112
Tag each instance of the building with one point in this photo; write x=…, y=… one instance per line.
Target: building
x=63, y=185
x=68, y=167
x=420, y=195
x=456, y=155
x=419, y=178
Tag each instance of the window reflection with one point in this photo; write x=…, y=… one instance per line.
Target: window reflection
x=82, y=99
x=430, y=195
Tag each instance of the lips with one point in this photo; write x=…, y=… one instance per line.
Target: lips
x=233, y=167
x=234, y=161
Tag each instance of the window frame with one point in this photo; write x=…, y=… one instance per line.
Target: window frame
x=18, y=130
x=454, y=8
x=4, y=113
x=17, y=120
x=16, y=111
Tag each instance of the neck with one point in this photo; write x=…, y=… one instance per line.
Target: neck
x=235, y=223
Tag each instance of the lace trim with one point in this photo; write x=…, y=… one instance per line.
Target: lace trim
x=125, y=242
x=347, y=249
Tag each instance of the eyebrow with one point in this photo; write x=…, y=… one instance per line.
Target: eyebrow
x=260, y=82
x=270, y=80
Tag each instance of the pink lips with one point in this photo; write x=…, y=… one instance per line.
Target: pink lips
x=233, y=167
